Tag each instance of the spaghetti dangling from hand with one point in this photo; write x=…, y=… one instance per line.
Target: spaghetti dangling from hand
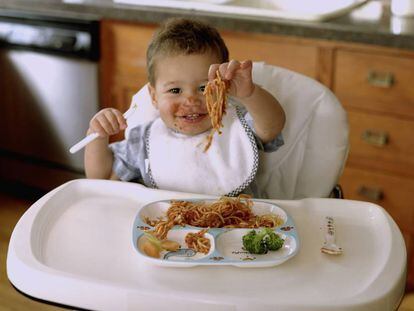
x=216, y=102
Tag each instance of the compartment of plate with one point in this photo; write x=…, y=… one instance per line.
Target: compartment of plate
x=262, y=208
x=229, y=244
x=153, y=211
x=158, y=210
x=183, y=253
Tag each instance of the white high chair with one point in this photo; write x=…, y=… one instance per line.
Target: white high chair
x=316, y=135
x=73, y=246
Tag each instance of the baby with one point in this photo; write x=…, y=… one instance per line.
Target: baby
x=168, y=153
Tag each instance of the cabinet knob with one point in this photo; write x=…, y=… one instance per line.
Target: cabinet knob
x=376, y=138
x=371, y=193
x=380, y=79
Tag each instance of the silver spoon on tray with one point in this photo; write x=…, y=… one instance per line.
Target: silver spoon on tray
x=330, y=247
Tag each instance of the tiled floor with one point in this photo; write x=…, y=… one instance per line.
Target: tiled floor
x=11, y=209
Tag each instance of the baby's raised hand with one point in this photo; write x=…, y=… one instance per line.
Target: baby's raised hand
x=238, y=74
x=108, y=121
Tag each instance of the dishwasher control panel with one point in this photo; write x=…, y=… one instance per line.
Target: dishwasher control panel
x=58, y=38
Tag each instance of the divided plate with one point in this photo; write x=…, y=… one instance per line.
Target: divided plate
x=226, y=243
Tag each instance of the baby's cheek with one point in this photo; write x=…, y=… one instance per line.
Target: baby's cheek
x=174, y=107
x=179, y=109
x=203, y=101
x=166, y=108
x=173, y=111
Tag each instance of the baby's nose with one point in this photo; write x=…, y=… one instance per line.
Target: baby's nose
x=192, y=100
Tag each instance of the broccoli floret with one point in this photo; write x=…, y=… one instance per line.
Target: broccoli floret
x=262, y=241
x=273, y=241
x=254, y=243
x=249, y=237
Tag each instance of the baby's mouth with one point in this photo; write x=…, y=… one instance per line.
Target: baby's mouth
x=194, y=117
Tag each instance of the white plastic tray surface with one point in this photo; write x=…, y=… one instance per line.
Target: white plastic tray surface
x=74, y=247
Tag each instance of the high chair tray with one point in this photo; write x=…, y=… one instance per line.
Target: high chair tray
x=73, y=247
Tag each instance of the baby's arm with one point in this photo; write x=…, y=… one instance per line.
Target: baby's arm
x=267, y=114
x=98, y=156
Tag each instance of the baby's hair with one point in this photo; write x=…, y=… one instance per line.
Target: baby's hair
x=184, y=36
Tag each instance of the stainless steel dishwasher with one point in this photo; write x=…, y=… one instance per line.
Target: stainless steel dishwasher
x=48, y=93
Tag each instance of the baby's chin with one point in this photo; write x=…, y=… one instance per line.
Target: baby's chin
x=192, y=127
x=191, y=132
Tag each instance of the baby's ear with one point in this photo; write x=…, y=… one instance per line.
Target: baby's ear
x=151, y=90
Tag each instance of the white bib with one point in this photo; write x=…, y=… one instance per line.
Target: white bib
x=178, y=162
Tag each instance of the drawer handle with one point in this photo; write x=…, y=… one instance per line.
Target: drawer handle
x=376, y=138
x=380, y=79
x=371, y=193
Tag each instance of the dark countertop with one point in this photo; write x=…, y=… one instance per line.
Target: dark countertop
x=372, y=23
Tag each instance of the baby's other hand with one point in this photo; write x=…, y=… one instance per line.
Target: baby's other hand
x=239, y=74
x=108, y=121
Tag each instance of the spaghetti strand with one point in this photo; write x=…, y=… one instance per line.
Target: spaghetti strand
x=216, y=102
x=225, y=213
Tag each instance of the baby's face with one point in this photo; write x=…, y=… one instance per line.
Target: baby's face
x=178, y=91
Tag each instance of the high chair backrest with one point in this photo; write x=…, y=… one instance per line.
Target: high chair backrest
x=311, y=161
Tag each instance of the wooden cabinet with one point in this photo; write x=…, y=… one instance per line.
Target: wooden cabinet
x=297, y=55
x=373, y=83
x=378, y=83
x=381, y=142
x=376, y=89
x=392, y=192
x=123, y=61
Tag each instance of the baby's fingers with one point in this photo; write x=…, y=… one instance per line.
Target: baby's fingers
x=212, y=71
x=96, y=127
x=112, y=121
x=246, y=64
x=108, y=122
x=229, y=69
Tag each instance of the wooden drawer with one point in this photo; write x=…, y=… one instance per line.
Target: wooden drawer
x=129, y=44
x=375, y=82
x=282, y=52
x=393, y=193
x=381, y=143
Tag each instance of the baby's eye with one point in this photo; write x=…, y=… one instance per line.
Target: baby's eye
x=175, y=90
x=202, y=88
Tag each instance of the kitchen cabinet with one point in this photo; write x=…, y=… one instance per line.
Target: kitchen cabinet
x=376, y=89
x=297, y=55
x=372, y=82
x=123, y=61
